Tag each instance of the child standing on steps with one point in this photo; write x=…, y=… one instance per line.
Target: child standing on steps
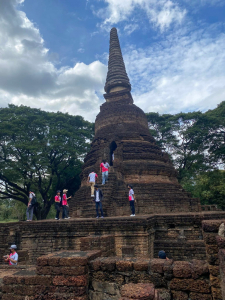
x=132, y=200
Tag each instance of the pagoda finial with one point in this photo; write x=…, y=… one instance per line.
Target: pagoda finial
x=117, y=78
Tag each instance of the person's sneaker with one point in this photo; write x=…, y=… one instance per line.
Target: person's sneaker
x=56, y=218
x=102, y=217
x=97, y=217
x=131, y=215
x=134, y=215
x=92, y=195
x=68, y=218
x=65, y=218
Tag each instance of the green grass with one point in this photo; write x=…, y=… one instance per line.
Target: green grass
x=9, y=220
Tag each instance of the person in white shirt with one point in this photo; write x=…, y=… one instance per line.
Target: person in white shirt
x=12, y=258
x=132, y=200
x=92, y=177
x=30, y=207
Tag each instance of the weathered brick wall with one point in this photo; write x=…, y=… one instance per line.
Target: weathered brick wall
x=215, y=261
x=84, y=275
x=62, y=275
x=180, y=235
x=179, y=280
x=105, y=243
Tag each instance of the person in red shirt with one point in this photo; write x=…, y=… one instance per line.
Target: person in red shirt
x=104, y=169
x=65, y=204
x=57, y=204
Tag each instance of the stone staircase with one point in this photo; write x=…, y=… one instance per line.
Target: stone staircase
x=83, y=204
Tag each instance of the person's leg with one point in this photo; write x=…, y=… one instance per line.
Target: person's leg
x=63, y=211
x=27, y=213
x=106, y=175
x=67, y=210
x=96, y=206
x=92, y=188
x=31, y=212
x=100, y=206
x=103, y=177
x=57, y=210
x=133, y=208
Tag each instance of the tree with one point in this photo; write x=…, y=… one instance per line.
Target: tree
x=209, y=187
x=40, y=151
x=181, y=138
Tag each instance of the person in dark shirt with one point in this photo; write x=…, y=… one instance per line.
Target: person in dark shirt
x=98, y=196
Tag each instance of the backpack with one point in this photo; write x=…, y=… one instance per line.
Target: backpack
x=34, y=200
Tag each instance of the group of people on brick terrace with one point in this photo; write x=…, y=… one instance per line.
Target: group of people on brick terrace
x=97, y=194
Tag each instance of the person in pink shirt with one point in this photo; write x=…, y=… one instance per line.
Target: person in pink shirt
x=65, y=204
x=104, y=169
x=57, y=204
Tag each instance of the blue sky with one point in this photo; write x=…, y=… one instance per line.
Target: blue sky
x=54, y=53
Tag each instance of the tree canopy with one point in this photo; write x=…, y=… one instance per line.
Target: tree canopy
x=40, y=151
x=194, y=140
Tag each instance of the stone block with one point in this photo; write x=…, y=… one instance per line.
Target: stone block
x=141, y=265
x=70, y=280
x=212, y=249
x=178, y=295
x=220, y=240
x=198, y=286
x=197, y=296
x=163, y=294
x=216, y=293
x=156, y=265
x=215, y=281
x=199, y=268
x=182, y=269
x=108, y=264
x=95, y=264
x=105, y=287
x=214, y=270
x=168, y=266
x=139, y=291
x=38, y=280
x=42, y=261
x=124, y=265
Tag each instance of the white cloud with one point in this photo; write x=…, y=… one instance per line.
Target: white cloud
x=129, y=28
x=161, y=13
x=182, y=74
x=27, y=75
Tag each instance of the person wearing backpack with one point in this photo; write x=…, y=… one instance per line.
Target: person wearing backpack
x=30, y=206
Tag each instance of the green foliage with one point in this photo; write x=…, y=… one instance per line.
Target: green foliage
x=195, y=141
x=196, y=144
x=42, y=152
x=209, y=187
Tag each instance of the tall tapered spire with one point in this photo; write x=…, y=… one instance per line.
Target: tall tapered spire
x=117, y=78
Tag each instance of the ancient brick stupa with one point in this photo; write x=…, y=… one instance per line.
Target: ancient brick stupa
x=121, y=128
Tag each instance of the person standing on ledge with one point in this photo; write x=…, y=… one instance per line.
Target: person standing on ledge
x=92, y=177
x=12, y=258
x=132, y=200
x=65, y=204
x=57, y=204
x=98, y=196
x=30, y=206
x=104, y=169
